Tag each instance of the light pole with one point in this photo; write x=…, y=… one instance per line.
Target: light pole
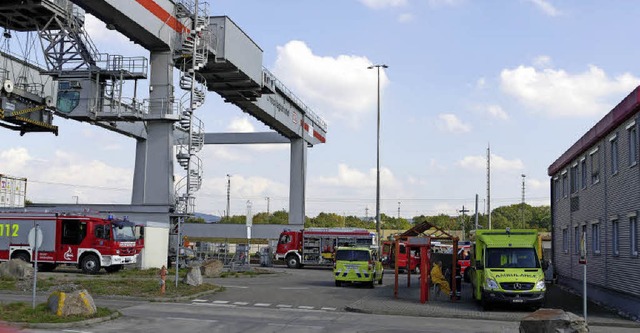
x=76, y=197
x=377, y=67
x=228, y=195
x=398, y=209
x=268, y=201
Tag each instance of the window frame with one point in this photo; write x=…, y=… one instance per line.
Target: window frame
x=574, y=183
x=632, y=142
x=595, y=167
x=583, y=172
x=565, y=240
x=633, y=234
x=595, y=237
x=565, y=184
x=615, y=237
x=614, y=151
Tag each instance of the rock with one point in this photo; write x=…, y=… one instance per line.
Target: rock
x=17, y=269
x=553, y=320
x=194, y=277
x=212, y=268
x=78, y=302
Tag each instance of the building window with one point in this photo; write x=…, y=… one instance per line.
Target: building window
x=595, y=238
x=613, y=142
x=595, y=167
x=558, y=189
x=633, y=233
x=576, y=241
x=633, y=144
x=574, y=179
x=565, y=185
x=583, y=169
x=565, y=240
x=615, y=237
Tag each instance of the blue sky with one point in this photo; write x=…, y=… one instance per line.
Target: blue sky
x=528, y=77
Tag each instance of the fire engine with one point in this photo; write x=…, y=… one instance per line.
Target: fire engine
x=88, y=242
x=315, y=246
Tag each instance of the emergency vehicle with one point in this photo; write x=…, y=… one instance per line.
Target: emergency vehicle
x=357, y=265
x=406, y=261
x=316, y=246
x=506, y=268
x=88, y=242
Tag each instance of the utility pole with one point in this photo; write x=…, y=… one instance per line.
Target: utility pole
x=522, y=208
x=268, y=202
x=366, y=213
x=476, y=228
x=228, y=195
x=398, y=209
x=463, y=211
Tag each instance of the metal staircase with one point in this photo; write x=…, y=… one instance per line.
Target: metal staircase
x=191, y=57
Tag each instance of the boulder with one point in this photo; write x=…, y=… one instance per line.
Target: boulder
x=194, y=277
x=553, y=320
x=212, y=268
x=78, y=302
x=17, y=269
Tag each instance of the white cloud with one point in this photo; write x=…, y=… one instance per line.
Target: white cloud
x=557, y=93
x=342, y=85
x=546, y=7
x=496, y=111
x=242, y=125
x=498, y=163
x=441, y=3
x=542, y=62
x=354, y=178
x=450, y=123
x=379, y=4
x=406, y=17
x=481, y=83
x=56, y=178
x=99, y=33
x=536, y=184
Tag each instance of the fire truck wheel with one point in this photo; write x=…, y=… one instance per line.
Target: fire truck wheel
x=90, y=264
x=22, y=256
x=113, y=268
x=338, y=283
x=293, y=261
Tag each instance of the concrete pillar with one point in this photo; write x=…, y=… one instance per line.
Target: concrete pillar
x=137, y=196
x=298, y=171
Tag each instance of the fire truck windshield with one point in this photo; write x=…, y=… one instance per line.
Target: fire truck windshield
x=123, y=232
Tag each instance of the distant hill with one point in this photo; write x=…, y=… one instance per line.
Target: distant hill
x=208, y=218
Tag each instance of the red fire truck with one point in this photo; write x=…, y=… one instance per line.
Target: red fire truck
x=315, y=246
x=89, y=242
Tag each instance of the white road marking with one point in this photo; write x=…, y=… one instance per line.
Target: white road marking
x=262, y=304
x=220, y=302
x=212, y=304
x=238, y=287
x=284, y=306
x=74, y=331
x=199, y=300
x=306, y=307
x=194, y=319
x=240, y=303
x=294, y=288
x=301, y=326
x=328, y=309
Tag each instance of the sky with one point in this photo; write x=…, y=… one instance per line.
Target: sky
x=527, y=77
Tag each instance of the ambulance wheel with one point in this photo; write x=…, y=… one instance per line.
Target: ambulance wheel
x=90, y=264
x=293, y=261
x=371, y=284
x=113, y=268
x=485, y=305
x=22, y=256
x=381, y=276
x=338, y=283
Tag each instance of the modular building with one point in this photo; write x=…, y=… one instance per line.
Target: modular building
x=595, y=196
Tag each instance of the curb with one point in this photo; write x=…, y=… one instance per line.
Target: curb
x=86, y=322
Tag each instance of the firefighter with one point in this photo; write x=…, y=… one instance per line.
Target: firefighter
x=438, y=279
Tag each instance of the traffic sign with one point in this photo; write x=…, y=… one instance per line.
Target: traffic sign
x=33, y=238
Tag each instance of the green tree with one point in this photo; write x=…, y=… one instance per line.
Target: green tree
x=326, y=220
x=356, y=222
x=193, y=219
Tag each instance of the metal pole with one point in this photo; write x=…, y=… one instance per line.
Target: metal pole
x=476, y=212
x=178, y=247
x=35, y=267
x=228, y=195
x=378, y=156
x=489, y=184
x=584, y=297
x=398, y=209
x=523, y=225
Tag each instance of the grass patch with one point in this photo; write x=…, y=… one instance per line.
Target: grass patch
x=141, y=287
x=41, y=314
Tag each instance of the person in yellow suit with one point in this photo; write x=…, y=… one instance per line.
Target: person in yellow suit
x=438, y=279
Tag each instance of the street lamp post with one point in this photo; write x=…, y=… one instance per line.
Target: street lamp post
x=228, y=195
x=377, y=67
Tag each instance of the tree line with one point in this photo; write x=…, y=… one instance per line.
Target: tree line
x=515, y=216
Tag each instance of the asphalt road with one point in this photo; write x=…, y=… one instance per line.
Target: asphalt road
x=291, y=300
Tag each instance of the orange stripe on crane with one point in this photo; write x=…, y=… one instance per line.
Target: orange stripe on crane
x=163, y=15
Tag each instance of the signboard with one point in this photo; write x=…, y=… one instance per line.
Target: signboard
x=583, y=248
x=12, y=191
x=35, y=237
